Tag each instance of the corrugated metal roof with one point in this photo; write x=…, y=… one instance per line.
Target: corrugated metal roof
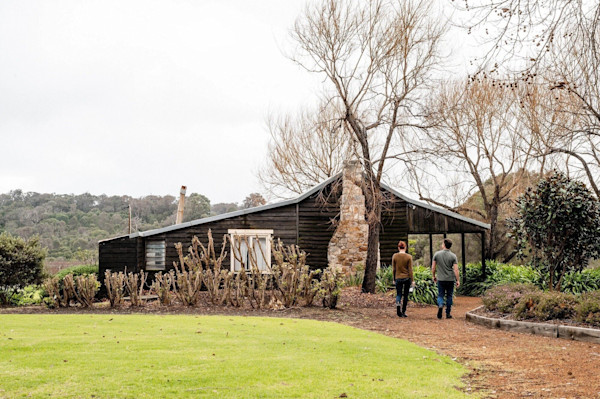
x=241, y=212
x=293, y=201
x=436, y=208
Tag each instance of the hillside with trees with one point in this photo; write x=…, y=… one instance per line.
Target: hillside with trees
x=69, y=226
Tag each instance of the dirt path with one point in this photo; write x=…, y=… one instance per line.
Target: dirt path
x=502, y=364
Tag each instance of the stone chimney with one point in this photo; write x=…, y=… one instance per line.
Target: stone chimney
x=348, y=246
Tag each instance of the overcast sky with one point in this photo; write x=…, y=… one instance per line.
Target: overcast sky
x=141, y=97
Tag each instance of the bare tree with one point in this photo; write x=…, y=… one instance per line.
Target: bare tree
x=376, y=57
x=573, y=78
x=558, y=41
x=480, y=148
x=305, y=149
x=522, y=33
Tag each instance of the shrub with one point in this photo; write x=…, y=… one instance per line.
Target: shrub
x=384, y=279
x=588, y=308
x=425, y=289
x=475, y=284
x=21, y=264
x=292, y=277
x=135, y=287
x=115, y=285
x=187, y=285
x=198, y=270
x=82, y=288
x=206, y=259
x=290, y=281
x=330, y=287
x=58, y=296
x=355, y=279
x=558, y=223
x=162, y=286
x=545, y=306
x=504, y=298
x=30, y=295
x=78, y=270
x=580, y=282
x=86, y=288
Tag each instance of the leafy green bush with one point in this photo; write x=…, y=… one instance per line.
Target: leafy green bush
x=425, y=289
x=21, y=264
x=384, y=279
x=588, y=308
x=580, y=282
x=475, y=284
x=30, y=295
x=558, y=224
x=504, y=298
x=355, y=279
x=78, y=270
x=546, y=306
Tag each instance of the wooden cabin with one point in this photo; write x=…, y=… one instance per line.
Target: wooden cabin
x=314, y=221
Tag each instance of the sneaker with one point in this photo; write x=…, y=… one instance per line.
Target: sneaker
x=398, y=311
x=439, y=315
x=404, y=315
x=448, y=316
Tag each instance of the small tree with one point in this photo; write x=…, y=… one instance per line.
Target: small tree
x=253, y=200
x=21, y=264
x=559, y=222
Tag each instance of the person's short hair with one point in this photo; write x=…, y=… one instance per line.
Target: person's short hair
x=447, y=243
x=401, y=245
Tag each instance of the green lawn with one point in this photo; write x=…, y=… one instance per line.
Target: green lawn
x=150, y=356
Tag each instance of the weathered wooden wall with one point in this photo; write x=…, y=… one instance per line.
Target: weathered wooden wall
x=317, y=216
x=394, y=227
x=281, y=220
x=118, y=254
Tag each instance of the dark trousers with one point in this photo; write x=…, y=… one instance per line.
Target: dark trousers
x=402, y=287
x=445, y=290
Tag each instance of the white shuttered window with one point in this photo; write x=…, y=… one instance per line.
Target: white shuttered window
x=155, y=255
x=242, y=241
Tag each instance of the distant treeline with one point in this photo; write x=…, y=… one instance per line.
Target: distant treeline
x=69, y=226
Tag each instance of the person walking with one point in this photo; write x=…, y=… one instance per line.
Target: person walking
x=403, y=277
x=444, y=268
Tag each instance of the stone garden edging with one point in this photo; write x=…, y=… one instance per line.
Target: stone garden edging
x=543, y=329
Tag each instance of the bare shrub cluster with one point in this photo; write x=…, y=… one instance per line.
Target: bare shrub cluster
x=81, y=289
x=199, y=277
x=287, y=282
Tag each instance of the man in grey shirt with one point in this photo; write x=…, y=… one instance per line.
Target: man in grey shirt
x=445, y=264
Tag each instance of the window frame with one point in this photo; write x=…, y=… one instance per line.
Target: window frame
x=251, y=234
x=154, y=268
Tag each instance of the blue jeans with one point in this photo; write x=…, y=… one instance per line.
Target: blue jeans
x=402, y=287
x=445, y=289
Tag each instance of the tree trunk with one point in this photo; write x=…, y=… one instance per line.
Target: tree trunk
x=373, y=206
x=492, y=234
x=372, y=257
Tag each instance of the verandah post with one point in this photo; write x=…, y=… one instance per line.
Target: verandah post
x=483, y=269
x=430, y=249
x=464, y=257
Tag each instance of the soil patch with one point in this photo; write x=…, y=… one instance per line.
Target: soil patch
x=502, y=364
